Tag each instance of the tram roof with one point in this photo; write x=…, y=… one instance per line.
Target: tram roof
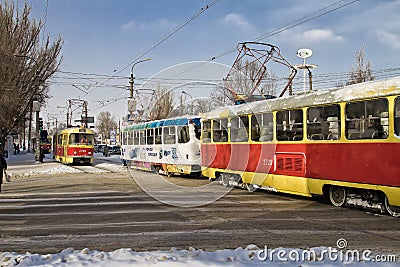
x=347, y=93
x=77, y=130
x=181, y=121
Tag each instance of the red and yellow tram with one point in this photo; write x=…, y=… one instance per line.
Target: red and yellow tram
x=343, y=144
x=74, y=145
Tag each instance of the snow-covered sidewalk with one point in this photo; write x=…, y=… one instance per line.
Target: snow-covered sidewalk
x=24, y=165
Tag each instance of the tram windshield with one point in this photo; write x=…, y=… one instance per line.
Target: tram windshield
x=81, y=138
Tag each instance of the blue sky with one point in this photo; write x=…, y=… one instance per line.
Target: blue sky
x=104, y=37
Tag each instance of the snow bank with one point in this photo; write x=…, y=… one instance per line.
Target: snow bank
x=249, y=256
x=38, y=169
x=24, y=166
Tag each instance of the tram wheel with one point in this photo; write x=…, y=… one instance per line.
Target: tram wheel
x=392, y=210
x=251, y=188
x=337, y=195
x=225, y=180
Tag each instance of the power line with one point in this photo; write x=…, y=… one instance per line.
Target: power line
x=323, y=81
x=281, y=29
x=314, y=15
x=168, y=35
x=161, y=40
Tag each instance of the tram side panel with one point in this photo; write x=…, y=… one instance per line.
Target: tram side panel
x=183, y=158
x=362, y=165
x=178, y=158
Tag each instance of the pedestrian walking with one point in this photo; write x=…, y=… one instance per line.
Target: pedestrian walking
x=3, y=167
x=15, y=148
x=106, y=151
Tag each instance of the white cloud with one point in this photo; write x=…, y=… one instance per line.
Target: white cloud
x=311, y=37
x=157, y=24
x=237, y=20
x=389, y=38
x=321, y=35
x=131, y=25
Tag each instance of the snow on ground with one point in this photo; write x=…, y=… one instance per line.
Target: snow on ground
x=24, y=166
x=249, y=256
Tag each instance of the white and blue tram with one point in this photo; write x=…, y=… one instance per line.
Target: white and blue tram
x=169, y=146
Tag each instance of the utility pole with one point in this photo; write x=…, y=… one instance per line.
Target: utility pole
x=30, y=127
x=132, y=78
x=131, y=101
x=36, y=109
x=85, y=114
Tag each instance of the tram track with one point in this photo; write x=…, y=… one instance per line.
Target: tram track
x=95, y=168
x=92, y=211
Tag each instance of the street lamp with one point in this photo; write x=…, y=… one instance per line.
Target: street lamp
x=191, y=98
x=132, y=78
x=183, y=92
x=131, y=102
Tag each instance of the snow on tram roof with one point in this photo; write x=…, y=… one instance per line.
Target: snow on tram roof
x=364, y=90
x=178, y=121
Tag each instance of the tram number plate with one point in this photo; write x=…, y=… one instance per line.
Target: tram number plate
x=267, y=162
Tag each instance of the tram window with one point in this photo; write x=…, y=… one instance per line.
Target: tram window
x=197, y=131
x=158, y=134
x=130, y=138
x=367, y=119
x=220, y=130
x=289, y=125
x=136, y=137
x=59, y=139
x=73, y=139
x=169, y=135
x=80, y=138
x=262, y=127
x=142, y=137
x=183, y=134
x=323, y=123
x=124, y=138
x=206, y=132
x=239, y=129
x=150, y=136
x=397, y=116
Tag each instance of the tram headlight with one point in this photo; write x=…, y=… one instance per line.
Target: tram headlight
x=75, y=152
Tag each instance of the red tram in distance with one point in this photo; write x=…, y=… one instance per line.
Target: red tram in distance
x=74, y=145
x=343, y=144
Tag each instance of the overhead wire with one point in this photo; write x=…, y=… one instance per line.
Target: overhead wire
x=281, y=29
x=316, y=14
x=164, y=38
x=168, y=35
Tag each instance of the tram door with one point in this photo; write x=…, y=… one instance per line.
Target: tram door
x=65, y=144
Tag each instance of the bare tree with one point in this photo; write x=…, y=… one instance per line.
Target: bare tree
x=27, y=61
x=361, y=71
x=242, y=83
x=206, y=105
x=162, y=105
x=105, y=124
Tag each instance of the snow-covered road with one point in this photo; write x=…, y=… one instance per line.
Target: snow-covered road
x=102, y=213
